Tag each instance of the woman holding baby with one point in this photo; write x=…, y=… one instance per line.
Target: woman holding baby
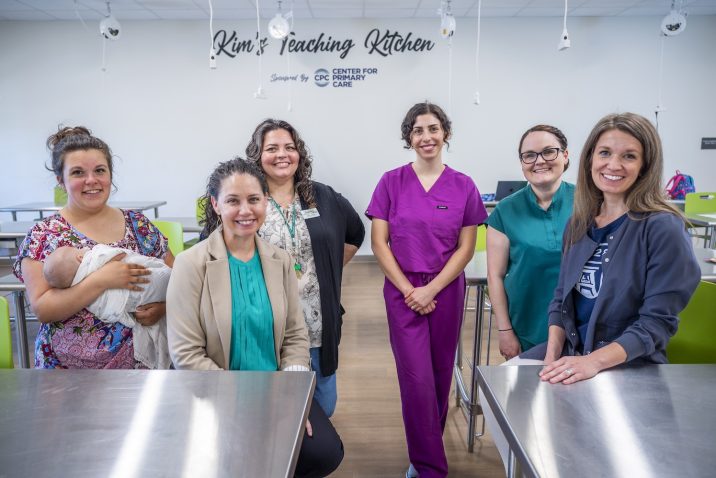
x=70, y=335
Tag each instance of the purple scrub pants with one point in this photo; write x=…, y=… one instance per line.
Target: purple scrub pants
x=424, y=349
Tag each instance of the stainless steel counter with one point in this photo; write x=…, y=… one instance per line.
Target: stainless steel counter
x=124, y=423
x=644, y=421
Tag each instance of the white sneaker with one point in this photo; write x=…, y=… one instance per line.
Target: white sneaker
x=412, y=472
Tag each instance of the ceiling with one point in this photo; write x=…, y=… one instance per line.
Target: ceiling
x=49, y=10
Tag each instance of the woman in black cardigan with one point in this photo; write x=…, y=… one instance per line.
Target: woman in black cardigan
x=320, y=229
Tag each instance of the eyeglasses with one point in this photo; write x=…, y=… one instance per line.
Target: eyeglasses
x=548, y=154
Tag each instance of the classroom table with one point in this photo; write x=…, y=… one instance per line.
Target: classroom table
x=707, y=221
x=648, y=420
x=188, y=224
x=152, y=423
x=467, y=396
x=49, y=206
x=15, y=230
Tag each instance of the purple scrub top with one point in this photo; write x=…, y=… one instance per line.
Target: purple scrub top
x=425, y=226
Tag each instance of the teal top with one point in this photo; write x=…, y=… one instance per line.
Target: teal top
x=252, y=341
x=535, y=238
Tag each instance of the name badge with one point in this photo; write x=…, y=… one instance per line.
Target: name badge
x=310, y=213
x=442, y=207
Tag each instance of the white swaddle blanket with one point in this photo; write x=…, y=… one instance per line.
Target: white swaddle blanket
x=116, y=305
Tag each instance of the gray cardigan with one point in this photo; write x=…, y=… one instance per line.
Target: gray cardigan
x=649, y=275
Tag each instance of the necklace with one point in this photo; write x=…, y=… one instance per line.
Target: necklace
x=292, y=233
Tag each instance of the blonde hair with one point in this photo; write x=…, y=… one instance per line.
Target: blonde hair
x=646, y=194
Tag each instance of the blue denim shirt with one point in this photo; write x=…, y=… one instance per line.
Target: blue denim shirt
x=649, y=275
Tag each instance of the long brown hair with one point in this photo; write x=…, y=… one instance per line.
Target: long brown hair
x=645, y=195
x=302, y=177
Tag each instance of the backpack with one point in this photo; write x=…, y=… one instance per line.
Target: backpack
x=679, y=185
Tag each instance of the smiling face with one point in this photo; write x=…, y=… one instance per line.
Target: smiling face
x=241, y=204
x=279, y=155
x=543, y=173
x=616, y=163
x=428, y=137
x=87, y=178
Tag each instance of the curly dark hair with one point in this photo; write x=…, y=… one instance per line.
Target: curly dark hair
x=211, y=219
x=302, y=177
x=75, y=138
x=425, y=108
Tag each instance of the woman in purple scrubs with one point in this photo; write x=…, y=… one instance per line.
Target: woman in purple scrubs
x=424, y=217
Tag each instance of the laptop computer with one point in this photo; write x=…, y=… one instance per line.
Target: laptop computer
x=505, y=188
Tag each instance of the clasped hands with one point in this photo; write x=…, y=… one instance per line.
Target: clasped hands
x=421, y=299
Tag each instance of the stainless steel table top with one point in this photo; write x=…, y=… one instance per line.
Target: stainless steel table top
x=644, y=421
x=15, y=229
x=168, y=423
x=702, y=220
x=51, y=206
x=708, y=269
x=10, y=283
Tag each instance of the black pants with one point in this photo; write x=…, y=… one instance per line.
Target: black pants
x=320, y=454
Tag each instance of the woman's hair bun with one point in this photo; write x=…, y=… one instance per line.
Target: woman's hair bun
x=66, y=132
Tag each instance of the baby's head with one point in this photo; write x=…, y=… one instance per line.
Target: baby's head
x=61, y=266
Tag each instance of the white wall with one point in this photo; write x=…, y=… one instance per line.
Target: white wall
x=170, y=119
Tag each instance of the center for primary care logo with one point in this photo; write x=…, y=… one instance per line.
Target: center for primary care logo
x=342, y=77
x=322, y=77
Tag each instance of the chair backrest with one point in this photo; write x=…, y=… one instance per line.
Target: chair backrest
x=481, y=243
x=174, y=232
x=5, y=336
x=695, y=341
x=200, y=209
x=698, y=203
x=60, y=196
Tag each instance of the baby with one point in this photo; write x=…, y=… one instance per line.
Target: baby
x=67, y=266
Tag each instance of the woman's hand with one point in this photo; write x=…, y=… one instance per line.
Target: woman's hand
x=420, y=298
x=428, y=309
x=509, y=344
x=121, y=275
x=570, y=369
x=149, y=314
x=309, y=428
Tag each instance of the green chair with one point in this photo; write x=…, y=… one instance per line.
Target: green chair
x=695, y=341
x=5, y=336
x=199, y=217
x=60, y=196
x=174, y=232
x=481, y=243
x=700, y=203
x=200, y=208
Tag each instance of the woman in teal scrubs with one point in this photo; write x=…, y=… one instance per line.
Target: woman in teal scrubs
x=524, y=241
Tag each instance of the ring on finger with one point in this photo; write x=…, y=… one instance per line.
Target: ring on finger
x=569, y=372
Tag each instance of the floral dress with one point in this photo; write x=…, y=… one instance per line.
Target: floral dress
x=83, y=340
x=276, y=229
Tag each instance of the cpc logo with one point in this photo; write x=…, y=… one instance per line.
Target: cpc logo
x=321, y=77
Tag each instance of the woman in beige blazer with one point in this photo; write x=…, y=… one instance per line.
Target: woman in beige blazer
x=235, y=284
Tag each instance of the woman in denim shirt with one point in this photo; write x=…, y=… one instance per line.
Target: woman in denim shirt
x=628, y=266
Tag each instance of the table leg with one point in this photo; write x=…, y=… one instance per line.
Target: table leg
x=458, y=354
x=22, y=350
x=156, y=212
x=14, y=215
x=476, y=354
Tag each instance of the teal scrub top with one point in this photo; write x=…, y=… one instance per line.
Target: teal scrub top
x=252, y=341
x=535, y=238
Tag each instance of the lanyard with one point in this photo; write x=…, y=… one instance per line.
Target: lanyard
x=291, y=227
x=292, y=232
